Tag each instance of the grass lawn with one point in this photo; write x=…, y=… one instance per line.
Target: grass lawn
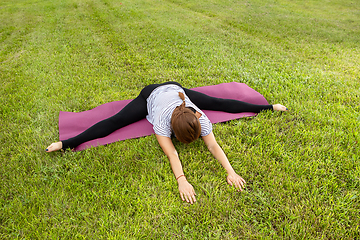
x=302, y=167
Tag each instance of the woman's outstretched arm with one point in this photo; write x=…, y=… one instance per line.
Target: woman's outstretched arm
x=187, y=192
x=233, y=179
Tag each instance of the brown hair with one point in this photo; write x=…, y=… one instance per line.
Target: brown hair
x=185, y=124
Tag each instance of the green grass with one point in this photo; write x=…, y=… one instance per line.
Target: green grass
x=301, y=167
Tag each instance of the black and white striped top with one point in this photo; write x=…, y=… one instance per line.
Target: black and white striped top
x=161, y=104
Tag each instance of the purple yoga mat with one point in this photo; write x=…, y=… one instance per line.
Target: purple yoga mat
x=72, y=123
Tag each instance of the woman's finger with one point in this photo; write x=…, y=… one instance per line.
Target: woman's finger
x=193, y=198
x=190, y=199
x=243, y=180
x=186, y=197
x=182, y=196
x=241, y=183
x=238, y=186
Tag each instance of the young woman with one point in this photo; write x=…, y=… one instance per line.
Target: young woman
x=172, y=109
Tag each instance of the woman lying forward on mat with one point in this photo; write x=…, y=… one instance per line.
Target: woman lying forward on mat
x=170, y=108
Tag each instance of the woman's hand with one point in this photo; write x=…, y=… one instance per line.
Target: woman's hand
x=187, y=192
x=235, y=180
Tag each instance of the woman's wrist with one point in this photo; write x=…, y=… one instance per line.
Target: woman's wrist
x=230, y=171
x=181, y=178
x=182, y=175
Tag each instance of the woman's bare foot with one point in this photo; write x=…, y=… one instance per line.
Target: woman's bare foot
x=54, y=147
x=279, y=107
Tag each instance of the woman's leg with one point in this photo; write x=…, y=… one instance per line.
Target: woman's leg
x=206, y=102
x=132, y=112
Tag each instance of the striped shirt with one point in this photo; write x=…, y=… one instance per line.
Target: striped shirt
x=161, y=104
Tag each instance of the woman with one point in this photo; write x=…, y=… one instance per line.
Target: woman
x=172, y=109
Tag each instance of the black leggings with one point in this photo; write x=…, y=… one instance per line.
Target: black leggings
x=137, y=110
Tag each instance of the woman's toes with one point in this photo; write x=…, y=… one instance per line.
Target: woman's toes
x=54, y=147
x=279, y=107
x=49, y=148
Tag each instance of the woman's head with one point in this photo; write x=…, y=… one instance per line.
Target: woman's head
x=185, y=124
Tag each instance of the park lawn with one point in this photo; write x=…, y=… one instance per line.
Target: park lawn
x=301, y=167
